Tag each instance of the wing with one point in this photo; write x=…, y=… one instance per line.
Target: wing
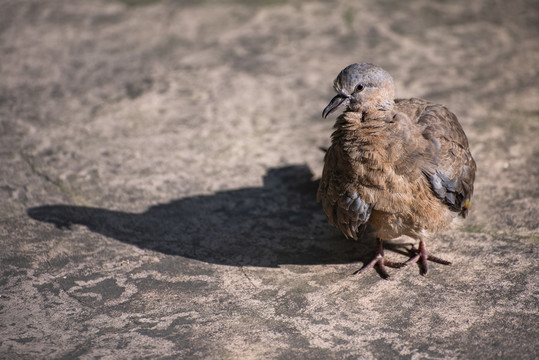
x=451, y=169
x=343, y=207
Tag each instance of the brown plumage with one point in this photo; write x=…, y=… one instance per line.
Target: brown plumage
x=402, y=166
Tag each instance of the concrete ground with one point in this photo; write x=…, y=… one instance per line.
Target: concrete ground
x=159, y=163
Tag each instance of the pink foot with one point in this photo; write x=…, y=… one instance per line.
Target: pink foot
x=381, y=262
x=422, y=257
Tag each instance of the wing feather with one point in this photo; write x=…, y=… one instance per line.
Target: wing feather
x=451, y=169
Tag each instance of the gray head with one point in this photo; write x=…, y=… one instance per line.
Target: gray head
x=362, y=87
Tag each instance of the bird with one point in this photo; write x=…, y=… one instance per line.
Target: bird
x=399, y=166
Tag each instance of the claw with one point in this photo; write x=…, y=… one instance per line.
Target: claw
x=422, y=257
x=381, y=262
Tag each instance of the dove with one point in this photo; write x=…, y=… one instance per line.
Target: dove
x=400, y=166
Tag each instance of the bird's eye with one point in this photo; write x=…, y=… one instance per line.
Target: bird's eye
x=360, y=88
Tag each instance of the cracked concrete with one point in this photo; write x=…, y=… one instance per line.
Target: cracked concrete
x=159, y=163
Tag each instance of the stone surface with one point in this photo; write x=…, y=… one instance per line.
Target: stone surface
x=158, y=169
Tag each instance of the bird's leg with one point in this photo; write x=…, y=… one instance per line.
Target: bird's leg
x=422, y=256
x=380, y=261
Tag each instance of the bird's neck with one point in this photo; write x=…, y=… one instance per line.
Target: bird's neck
x=358, y=134
x=373, y=107
x=364, y=116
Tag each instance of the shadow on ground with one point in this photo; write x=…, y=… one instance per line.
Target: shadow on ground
x=278, y=223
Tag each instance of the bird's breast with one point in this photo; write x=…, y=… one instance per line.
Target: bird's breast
x=365, y=152
x=373, y=155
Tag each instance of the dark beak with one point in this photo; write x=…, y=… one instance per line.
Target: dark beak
x=335, y=103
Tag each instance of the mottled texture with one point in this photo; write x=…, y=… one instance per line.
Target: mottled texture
x=159, y=166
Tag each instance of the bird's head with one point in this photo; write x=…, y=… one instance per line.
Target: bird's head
x=362, y=87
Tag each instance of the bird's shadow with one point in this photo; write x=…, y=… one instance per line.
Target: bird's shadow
x=278, y=223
